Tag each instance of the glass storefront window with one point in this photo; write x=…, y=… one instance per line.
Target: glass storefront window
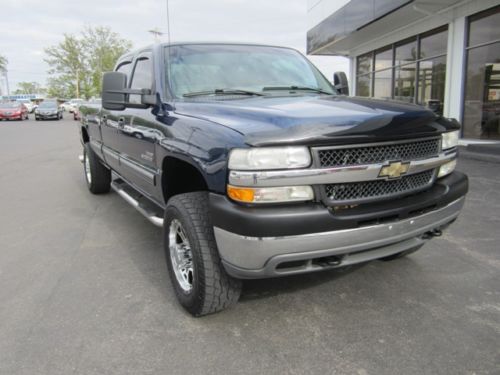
x=434, y=44
x=483, y=27
x=398, y=70
x=431, y=83
x=406, y=53
x=363, y=85
x=383, y=84
x=404, y=83
x=383, y=59
x=482, y=93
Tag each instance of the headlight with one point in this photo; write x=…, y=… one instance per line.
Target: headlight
x=450, y=139
x=270, y=194
x=447, y=168
x=264, y=158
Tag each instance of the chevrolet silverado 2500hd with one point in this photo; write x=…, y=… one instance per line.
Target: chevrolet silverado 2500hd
x=256, y=166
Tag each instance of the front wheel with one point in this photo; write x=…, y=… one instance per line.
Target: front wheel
x=98, y=177
x=201, y=283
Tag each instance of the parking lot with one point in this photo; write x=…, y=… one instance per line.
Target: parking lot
x=84, y=288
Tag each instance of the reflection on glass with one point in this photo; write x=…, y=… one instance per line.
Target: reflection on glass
x=383, y=59
x=406, y=53
x=383, y=84
x=434, y=44
x=404, y=83
x=365, y=64
x=482, y=93
x=484, y=27
x=431, y=82
x=363, y=85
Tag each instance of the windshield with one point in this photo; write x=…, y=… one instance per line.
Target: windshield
x=9, y=105
x=255, y=69
x=48, y=105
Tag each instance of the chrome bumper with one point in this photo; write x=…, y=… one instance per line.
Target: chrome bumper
x=260, y=257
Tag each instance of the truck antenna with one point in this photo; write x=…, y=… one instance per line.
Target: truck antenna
x=168, y=51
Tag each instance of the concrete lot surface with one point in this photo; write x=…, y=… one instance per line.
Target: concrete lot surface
x=84, y=288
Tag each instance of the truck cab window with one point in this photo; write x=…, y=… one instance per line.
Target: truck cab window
x=125, y=68
x=142, y=77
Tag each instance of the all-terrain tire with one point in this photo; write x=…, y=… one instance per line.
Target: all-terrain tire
x=212, y=289
x=98, y=177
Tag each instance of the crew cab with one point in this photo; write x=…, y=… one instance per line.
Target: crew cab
x=256, y=166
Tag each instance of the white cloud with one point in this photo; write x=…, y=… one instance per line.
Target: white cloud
x=258, y=21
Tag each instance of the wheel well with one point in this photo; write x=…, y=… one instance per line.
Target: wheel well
x=85, y=135
x=180, y=177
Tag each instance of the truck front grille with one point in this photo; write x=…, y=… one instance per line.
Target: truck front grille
x=370, y=154
x=356, y=192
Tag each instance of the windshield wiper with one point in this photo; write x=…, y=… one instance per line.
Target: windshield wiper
x=223, y=92
x=296, y=88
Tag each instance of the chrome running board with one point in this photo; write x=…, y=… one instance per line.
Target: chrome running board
x=142, y=204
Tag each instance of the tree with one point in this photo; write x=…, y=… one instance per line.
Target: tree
x=78, y=62
x=67, y=60
x=3, y=63
x=102, y=47
x=28, y=88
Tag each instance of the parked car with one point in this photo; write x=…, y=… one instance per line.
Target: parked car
x=73, y=104
x=66, y=106
x=262, y=168
x=47, y=110
x=28, y=104
x=13, y=111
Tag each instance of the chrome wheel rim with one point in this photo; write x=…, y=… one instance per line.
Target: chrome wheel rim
x=181, y=255
x=86, y=166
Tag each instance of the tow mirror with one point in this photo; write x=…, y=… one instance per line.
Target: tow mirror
x=113, y=85
x=115, y=93
x=340, y=83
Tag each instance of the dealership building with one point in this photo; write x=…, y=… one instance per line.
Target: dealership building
x=444, y=54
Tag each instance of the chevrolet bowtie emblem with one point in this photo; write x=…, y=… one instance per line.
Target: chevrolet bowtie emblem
x=394, y=169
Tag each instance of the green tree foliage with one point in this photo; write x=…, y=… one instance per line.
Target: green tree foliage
x=28, y=88
x=3, y=63
x=103, y=48
x=78, y=62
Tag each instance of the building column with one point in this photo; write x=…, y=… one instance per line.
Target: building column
x=352, y=76
x=455, y=69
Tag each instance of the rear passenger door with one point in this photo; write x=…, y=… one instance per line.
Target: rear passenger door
x=137, y=134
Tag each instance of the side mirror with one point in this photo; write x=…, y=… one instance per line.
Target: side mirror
x=340, y=83
x=113, y=87
x=115, y=93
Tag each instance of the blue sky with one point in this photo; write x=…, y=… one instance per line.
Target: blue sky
x=35, y=25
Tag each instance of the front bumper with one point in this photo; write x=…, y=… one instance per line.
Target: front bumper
x=11, y=117
x=268, y=242
x=47, y=116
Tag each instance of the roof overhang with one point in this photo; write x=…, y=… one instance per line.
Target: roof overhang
x=360, y=21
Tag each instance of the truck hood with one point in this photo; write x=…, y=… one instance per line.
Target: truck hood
x=317, y=120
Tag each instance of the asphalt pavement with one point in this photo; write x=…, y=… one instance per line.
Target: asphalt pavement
x=84, y=288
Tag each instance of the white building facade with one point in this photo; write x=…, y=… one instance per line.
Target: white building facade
x=444, y=54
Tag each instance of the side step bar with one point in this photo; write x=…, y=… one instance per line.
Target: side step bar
x=142, y=204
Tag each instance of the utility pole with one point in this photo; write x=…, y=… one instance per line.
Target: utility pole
x=7, y=82
x=78, y=83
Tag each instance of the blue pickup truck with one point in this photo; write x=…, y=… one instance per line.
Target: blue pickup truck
x=256, y=166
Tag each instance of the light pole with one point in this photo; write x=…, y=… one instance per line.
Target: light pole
x=156, y=33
